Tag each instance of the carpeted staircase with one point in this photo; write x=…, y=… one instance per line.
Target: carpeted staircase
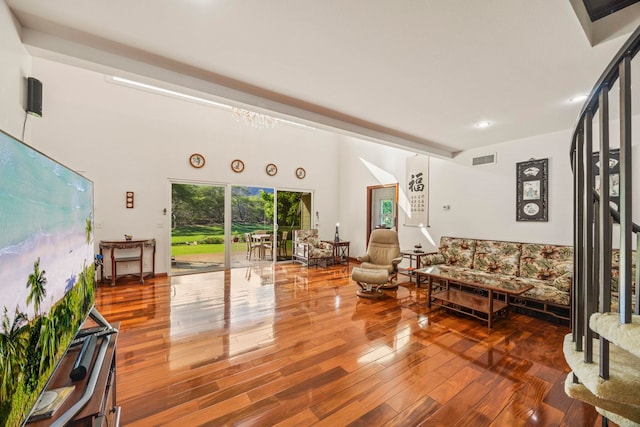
x=603, y=349
x=617, y=398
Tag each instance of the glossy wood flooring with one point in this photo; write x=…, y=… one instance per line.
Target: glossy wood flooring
x=287, y=345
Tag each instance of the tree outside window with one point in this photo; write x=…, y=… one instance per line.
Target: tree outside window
x=386, y=213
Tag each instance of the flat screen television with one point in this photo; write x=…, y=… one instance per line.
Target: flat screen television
x=46, y=271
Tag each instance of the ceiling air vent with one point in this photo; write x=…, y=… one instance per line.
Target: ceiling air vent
x=484, y=160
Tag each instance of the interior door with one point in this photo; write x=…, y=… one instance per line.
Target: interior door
x=382, y=207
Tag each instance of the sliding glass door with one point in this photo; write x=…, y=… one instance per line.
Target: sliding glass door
x=252, y=226
x=293, y=213
x=227, y=226
x=197, y=228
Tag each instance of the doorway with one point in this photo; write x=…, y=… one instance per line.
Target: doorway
x=382, y=207
x=197, y=228
x=293, y=213
x=252, y=225
x=225, y=226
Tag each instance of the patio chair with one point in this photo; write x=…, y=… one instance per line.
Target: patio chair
x=251, y=245
x=282, y=243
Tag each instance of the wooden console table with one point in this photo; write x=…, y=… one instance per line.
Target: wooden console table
x=133, y=251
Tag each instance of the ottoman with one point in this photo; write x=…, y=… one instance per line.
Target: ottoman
x=370, y=281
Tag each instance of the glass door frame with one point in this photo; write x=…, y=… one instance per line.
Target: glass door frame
x=228, y=236
x=276, y=226
x=371, y=190
x=227, y=210
x=228, y=227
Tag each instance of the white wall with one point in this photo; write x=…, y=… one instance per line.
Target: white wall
x=482, y=198
x=15, y=67
x=363, y=164
x=126, y=139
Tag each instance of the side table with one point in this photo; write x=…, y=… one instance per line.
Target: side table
x=340, y=251
x=412, y=256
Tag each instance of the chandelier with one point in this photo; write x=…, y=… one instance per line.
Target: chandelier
x=253, y=119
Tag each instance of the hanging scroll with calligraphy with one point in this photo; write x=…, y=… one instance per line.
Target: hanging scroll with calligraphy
x=417, y=191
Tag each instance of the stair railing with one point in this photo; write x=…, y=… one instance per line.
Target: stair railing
x=594, y=215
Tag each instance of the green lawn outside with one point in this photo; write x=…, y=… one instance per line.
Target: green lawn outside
x=205, y=249
x=180, y=236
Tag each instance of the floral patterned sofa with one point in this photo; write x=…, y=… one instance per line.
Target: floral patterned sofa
x=308, y=249
x=615, y=275
x=549, y=268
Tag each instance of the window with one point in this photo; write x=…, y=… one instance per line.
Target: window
x=386, y=213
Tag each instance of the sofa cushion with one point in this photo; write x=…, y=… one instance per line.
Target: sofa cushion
x=497, y=257
x=545, y=262
x=457, y=251
x=307, y=236
x=563, y=283
x=544, y=291
x=615, y=268
x=324, y=250
x=431, y=259
x=615, y=301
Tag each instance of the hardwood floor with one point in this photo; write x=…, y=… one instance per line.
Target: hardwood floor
x=287, y=345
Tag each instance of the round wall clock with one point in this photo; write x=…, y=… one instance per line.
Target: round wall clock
x=196, y=160
x=237, y=165
x=301, y=173
x=271, y=169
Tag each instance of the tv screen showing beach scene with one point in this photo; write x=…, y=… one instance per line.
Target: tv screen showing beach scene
x=46, y=270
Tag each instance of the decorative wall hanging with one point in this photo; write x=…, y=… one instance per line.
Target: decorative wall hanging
x=531, y=190
x=271, y=169
x=614, y=175
x=301, y=173
x=128, y=199
x=417, y=209
x=237, y=165
x=196, y=160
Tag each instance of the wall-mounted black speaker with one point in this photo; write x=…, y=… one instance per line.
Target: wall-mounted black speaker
x=34, y=97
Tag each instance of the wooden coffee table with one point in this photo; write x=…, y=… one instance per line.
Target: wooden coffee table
x=483, y=298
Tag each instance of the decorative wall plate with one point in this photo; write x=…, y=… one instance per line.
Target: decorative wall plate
x=237, y=165
x=301, y=173
x=197, y=160
x=271, y=169
x=531, y=209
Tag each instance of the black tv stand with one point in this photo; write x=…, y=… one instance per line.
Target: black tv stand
x=93, y=401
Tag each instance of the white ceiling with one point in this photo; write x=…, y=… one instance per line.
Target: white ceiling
x=413, y=73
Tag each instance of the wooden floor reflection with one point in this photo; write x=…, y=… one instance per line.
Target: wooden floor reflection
x=286, y=345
